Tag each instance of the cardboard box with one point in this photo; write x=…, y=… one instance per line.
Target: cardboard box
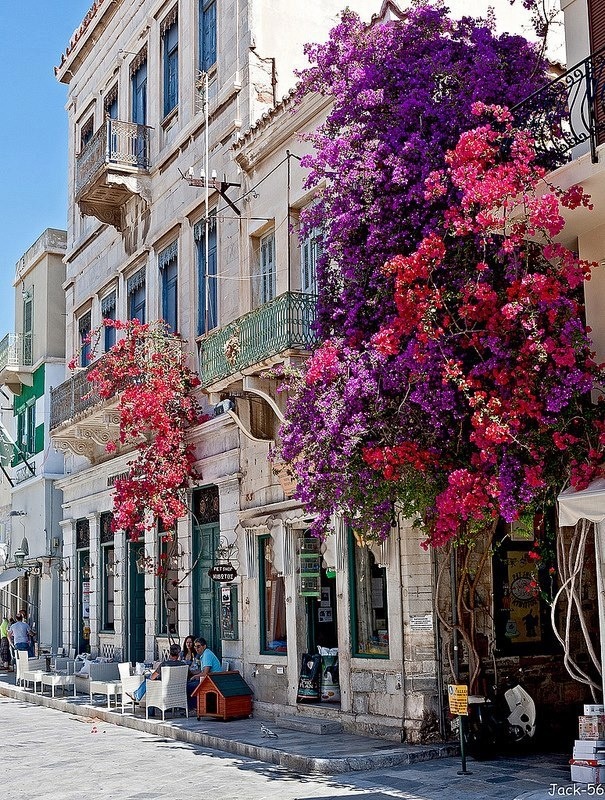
x=593, y=710
x=591, y=727
x=588, y=748
x=582, y=774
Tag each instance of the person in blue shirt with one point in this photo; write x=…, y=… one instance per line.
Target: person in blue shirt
x=206, y=659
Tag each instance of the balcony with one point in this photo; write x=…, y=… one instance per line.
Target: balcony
x=15, y=361
x=111, y=168
x=567, y=115
x=276, y=332
x=80, y=422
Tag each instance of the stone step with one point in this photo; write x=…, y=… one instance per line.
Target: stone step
x=314, y=725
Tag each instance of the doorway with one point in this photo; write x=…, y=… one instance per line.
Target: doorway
x=136, y=606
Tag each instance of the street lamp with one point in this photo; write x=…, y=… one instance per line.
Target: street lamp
x=19, y=558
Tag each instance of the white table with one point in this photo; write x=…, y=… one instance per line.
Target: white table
x=54, y=679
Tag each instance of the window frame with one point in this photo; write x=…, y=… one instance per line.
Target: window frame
x=109, y=311
x=136, y=287
x=310, y=251
x=170, y=58
x=200, y=239
x=138, y=89
x=168, y=265
x=353, y=611
x=262, y=587
x=84, y=329
x=207, y=34
x=267, y=278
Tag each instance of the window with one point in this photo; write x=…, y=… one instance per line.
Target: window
x=310, y=250
x=170, y=46
x=135, y=289
x=28, y=325
x=26, y=428
x=266, y=278
x=272, y=601
x=109, y=567
x=139, y=89
x=108, y=583
x=168, y=579
x=86, y=133
x=84, y=339
x=207, y=317
x=111, y=102
x=207, y=23
x=369, y=612
x=168, y=264
x=108, y=311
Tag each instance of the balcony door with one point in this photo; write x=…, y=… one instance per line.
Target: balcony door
x=596, y=24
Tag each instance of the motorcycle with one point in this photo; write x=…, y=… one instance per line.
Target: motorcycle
x=498, y=722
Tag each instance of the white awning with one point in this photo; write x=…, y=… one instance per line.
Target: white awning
x=588, y=504
x=8, y=576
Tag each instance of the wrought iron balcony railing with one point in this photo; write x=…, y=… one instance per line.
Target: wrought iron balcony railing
x=284, y=323
x=71, y=397
x=124, y=144
x=16, y=350
x=568, y=112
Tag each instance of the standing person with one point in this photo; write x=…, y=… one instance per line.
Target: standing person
x=5, y=653
x=19, y=634
x=32, y=636
x=188, y=654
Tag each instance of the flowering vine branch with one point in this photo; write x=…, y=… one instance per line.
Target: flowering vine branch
x=146, y=370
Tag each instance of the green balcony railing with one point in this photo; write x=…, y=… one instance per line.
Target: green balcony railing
x=284, y=323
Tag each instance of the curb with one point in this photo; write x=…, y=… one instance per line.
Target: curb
x=272, y=755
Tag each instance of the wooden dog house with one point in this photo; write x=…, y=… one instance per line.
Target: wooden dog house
x=223, y=694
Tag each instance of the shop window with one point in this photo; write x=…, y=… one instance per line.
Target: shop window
x=272, y=601
x=108, y=586
x=523, y=588
x=369, y=610
x=168, y=582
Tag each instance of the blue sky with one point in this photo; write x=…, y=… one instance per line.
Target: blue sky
x=33, y=130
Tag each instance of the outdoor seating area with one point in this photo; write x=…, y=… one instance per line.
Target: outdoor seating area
x=116, y=684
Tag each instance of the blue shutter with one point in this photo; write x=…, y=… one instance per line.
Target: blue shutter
x=139, y=94
x=171, y=67
x=168, y=264
x=212, y=321
x=207, y=34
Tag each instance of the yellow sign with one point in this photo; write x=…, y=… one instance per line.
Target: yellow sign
x=458, y=698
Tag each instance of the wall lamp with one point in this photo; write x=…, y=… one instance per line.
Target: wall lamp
x=86, y=569
x=19, y=558
x=111, y=568
x=223, y=407
x=17, y=513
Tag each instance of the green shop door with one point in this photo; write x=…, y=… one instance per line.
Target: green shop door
x=136, y=607
x=206, y=592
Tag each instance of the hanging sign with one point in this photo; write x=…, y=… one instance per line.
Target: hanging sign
x=225, y=573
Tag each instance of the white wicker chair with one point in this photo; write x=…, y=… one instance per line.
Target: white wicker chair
x=169, y=692
x=130, y=683
x=21, y=664
x=31, y=670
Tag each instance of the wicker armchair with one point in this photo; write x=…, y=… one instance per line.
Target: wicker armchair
x=169, y=692
x=130, y=683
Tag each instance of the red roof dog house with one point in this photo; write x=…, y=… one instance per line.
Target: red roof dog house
x=225, y=695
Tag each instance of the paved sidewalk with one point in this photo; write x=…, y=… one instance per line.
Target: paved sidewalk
x=404, y=771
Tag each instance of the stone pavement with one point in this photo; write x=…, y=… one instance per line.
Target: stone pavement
x=378, y=769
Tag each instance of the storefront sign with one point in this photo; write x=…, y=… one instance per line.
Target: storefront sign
x=458, y=698
x=224, y=573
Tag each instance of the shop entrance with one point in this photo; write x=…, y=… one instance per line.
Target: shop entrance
x=322, y=623
x=136, y=606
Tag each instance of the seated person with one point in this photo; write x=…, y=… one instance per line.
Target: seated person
x=205, y=663
x=173, y=661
